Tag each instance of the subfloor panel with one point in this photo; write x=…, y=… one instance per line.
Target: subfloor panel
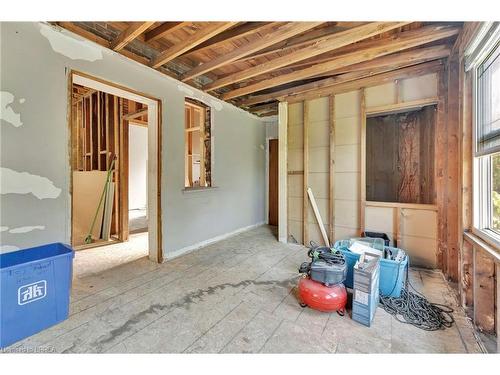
x=234, y=296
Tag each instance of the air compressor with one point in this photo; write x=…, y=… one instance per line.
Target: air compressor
x=321, y=287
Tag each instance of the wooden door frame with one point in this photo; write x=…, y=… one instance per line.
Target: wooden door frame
x=154, y=151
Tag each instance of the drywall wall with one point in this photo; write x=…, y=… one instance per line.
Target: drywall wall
x=36, y=60
x=295, y=168
x=137, y=164
x=347, y=164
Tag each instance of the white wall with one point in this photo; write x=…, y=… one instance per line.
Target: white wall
x=137, y=175
x=35, y=183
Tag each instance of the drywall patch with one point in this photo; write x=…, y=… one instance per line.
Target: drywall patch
x=26, y=229
x=13, y=182
x=6, y=112
x=70, y=46
x=3, y=229
x=216, y=104
x=7, y=248
x=185, y=89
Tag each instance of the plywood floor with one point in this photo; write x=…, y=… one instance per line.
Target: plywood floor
x=235, y=296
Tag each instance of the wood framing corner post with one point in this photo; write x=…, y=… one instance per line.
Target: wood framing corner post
x=282, y=171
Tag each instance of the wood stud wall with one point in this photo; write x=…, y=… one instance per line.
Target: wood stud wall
x=100, y=131
x=305, y=167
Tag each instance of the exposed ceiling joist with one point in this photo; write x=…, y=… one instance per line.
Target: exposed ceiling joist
x=326, y=44
x=358, y=71
x=274, y=112
x=195, y=39
x=378, y=79
x=405, y=40
x=129, y=34
x=298, y=41
x=283, y=32
x=239, y=31
x=101, y=41
x=163, y=30
x=264, y=107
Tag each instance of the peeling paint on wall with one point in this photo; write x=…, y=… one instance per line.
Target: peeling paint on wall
x=185, y=89
x=216, y=105
x=6, y=112
x=7, y=248
x=27, y=229
x=70, y=46
x=13, y=182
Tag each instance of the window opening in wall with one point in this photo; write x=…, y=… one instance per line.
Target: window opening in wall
x=487, y=143
x=495, y=193
x=197, y=141
x=400, y=156
x=488, y=95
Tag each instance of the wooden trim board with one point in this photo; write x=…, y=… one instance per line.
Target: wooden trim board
x=401, y=106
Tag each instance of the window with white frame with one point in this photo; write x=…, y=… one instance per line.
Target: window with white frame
x=486, y=67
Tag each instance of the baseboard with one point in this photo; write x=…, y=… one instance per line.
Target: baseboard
x=190, y=248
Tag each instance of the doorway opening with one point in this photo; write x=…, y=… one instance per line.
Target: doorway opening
x=273, y=183
x=115, y=174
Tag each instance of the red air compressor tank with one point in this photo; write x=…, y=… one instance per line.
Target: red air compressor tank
x=320, y=297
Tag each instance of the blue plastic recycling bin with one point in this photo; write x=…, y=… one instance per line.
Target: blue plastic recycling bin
x=35, y=286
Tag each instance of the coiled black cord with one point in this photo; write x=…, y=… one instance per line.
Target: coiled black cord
x=413, y=308
x=325, y=254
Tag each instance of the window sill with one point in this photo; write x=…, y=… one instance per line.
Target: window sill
x=198, y=189
x=484, y=240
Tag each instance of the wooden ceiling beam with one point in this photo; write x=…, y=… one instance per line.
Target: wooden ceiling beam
x=283, y=32
x=296, y=42
x=358, y=71
x=239, y=31
x=129, y=34
x=163, y=30
x=195, y=39
x=405, y=40
x=267, y=114
x=264, y=107
x=326, y=44
x=378, y=79
x=101, y=41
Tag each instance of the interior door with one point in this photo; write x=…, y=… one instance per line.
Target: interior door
x=273, y=182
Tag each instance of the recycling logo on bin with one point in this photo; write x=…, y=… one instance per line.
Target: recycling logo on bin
x=31, y=292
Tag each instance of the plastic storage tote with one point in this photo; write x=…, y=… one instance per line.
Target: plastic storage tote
x=35, y=286
x=383, y=236
x=392, y=273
